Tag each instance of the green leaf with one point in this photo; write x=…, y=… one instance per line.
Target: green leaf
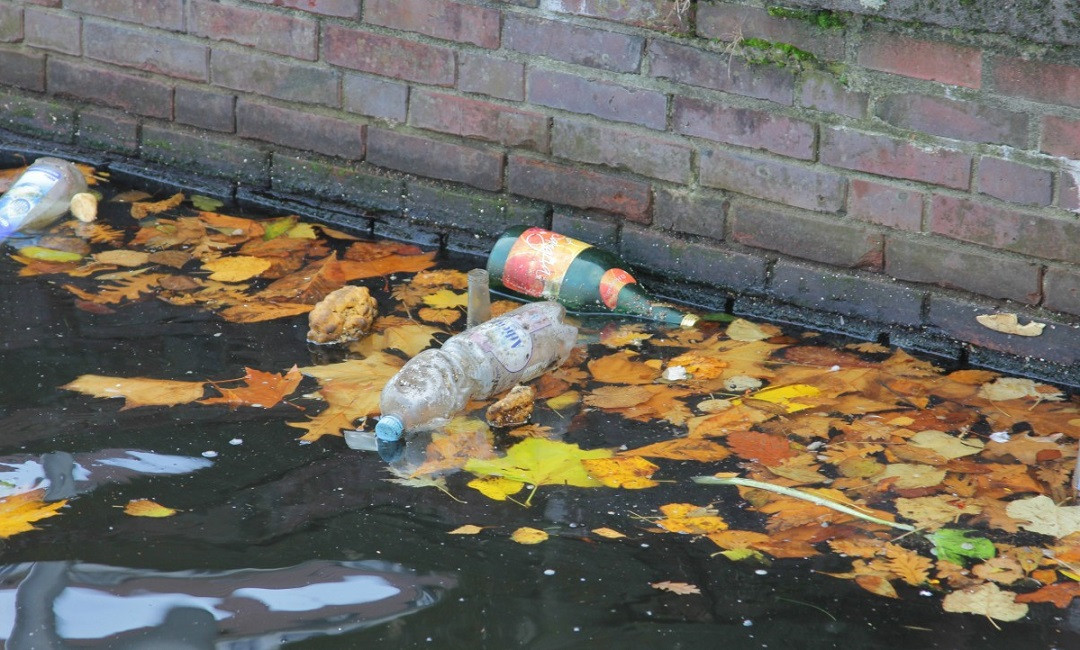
x=954, y=545
x=279, y=227
x=540, y=461
x=48, y=254
x=205, y=203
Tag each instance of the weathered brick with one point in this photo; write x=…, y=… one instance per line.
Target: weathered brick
x=772, y=180
x=129, y=92
x=956, y=65
x=715, y=266
x=43, y=119
x=22, y=70
x=108, y=130
x=274, y=77
x=472, y=118
x=579, y=188
x=885, y=205
x=652, y=14
x=299, y=129
x=924, y=259
x=451, y=21
x=594, y=229
x=476, y=212
x=488, y=75
x=1014, y=182
x=695, y=67
x=447, y=161
x=357, y=185
x=52, y=31
x=574, y=44
x=829, y=241
x=1069, y=194
x=264, y=30
x=153, y=51
x=11, y=24
x=959, y=120
x=337, y=8
x=375, y=97
x=1061, y=289
x=600, y=98
x=1045, y=237
x=873, y=297
x=885, y=156
x=1051, y=83
x=692, y=212
x=205, y=108
x=728, y=22
x=621, y=150
x=164, y=14
x=745, y=127
x=1061, y=136
x=1058, y=342
x=388, y=56
x=218, y=157
x=823, y=92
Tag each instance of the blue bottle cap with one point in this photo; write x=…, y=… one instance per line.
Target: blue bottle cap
x=389, y=428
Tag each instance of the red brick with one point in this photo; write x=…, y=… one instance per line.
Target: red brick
x=338, y=8
x=488, y=75
x=1014, y=182
x=22, y=70
x=299, y=129
x=1069, y=194
x=1061, y=136
x=574, y=44
x=652, y=14
x=694, y=67
x=959, y=120
x=728, y=22
x=885, y=205
x=473, y=166
x=388, y=56
x=11, y=24
x=772, y=180
x=165, y=14
x=153, y=51
x=956, y=65
x=946, y=264
x=129, y=92
x=745, y=127
x=472, y=118
x=823, y=92
x=437, y=18
x=809, y=237
x=52, y=31
x=375, y=97
x=697, y=212
x=1044, y=237
x=621, y=150
x=1061, y=289
x=1052, y=83
x=264, y=30
x=600, y=98
x=275, y=77
x=573, y=186
x=885, y=156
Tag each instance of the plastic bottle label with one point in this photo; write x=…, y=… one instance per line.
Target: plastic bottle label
x=538, y=260
x=508, y=342
x=27, y=192
x=611, y=283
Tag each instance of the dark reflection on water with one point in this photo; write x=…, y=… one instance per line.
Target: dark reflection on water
x=260, y=513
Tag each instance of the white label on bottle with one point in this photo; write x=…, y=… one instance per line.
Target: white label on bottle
x=27, y=192
x=508, y=342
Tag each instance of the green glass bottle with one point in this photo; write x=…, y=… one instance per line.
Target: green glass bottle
x=537, y=263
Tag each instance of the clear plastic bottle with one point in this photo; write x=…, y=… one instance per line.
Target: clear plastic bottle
x=481, y=361
x=39, y=196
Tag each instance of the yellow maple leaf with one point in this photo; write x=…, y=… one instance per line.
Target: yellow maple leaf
x=496, y=487
x=19, y=511
x=446, y=299
x=237, y=268
x=630, y=472
x=689, y=519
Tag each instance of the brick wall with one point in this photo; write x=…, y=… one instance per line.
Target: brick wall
x=898, y=172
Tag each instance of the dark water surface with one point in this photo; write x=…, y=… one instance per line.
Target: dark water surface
x=279, y=541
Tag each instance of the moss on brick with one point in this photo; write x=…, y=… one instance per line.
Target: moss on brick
x=824, y=18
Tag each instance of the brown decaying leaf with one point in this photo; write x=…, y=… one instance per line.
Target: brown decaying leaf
x=143, y=209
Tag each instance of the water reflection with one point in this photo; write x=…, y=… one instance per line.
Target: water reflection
x=54, y=605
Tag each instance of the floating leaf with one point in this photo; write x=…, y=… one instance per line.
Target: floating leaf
x=698, y=449
x=681, y=588
x=988, y=600
x=126, y=258
x=138, y=391
x=147, y=508
x=467, y=529
x=142, y=210
x=279, y=227
x=877, y=585
x=688, y=518
x=608, y=533
x=205, y=203
x=743, y=330
x=48, y=254
x=263, y=389
x=526, y=535
x=496, y=487
x=946, y=445
x=18, y=512
x=765, y=448
x=539, y=461
x=1061, y=594
x=1041, y=515
x=629, y=472
x=237, y=268
x=446, y=299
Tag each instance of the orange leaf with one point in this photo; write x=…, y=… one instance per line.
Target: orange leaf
x=264, y=389
x=909, y=566
x=764, y=448
x=690, y=519
x=19, y=511
x=144, y=209
x=697, y=449
x=147, y=508
x=258, y=311
x=876, y=584
x=1060, y=594
x=630, y=472
x=621, y=368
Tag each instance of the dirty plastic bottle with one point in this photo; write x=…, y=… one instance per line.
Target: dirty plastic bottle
x=481, y=361
x=539, y=263
x=39, y=196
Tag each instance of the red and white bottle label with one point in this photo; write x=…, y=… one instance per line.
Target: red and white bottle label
x=611, y=283
x=538, y=260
